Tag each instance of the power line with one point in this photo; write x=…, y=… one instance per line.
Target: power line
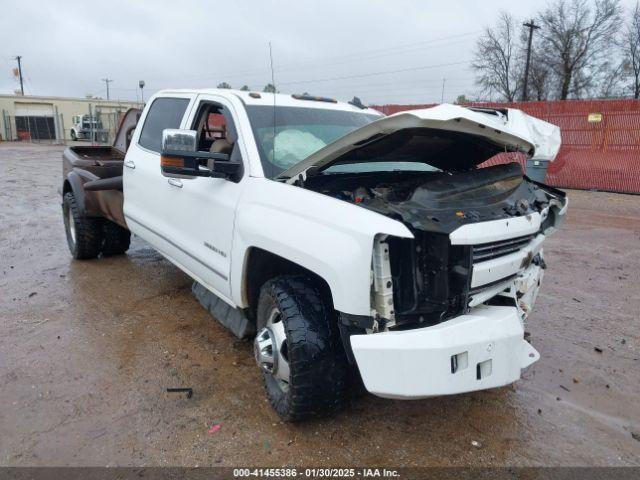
x=370, y=54
x=372, y=74
x=391, y=90
x=393, y=87
x=361, y=55
x=413, y=98
x=435, y=92
x=30, y=86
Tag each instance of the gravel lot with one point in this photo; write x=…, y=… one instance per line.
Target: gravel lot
x=87, y=349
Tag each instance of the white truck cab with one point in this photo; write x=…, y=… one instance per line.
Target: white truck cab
x=83, y=126
x=340, y=239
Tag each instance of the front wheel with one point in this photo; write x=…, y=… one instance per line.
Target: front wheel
x=298, y=349
x=74, y=137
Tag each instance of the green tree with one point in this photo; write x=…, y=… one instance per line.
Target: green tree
x=245, y=88
x=269, y=88
x=224, y=85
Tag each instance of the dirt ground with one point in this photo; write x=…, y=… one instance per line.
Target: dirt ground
x=88, y=348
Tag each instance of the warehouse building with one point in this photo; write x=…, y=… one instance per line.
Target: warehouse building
x=35, y=118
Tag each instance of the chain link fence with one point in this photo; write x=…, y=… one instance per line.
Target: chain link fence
x=94, y=126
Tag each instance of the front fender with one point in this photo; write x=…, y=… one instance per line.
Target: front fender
x=330, y=237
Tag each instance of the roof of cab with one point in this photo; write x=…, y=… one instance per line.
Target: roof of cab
x=266, y=99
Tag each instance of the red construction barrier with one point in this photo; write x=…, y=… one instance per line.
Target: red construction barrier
x=600, y=151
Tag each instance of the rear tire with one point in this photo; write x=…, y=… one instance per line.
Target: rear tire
x=303, y=329
x=74, y=137
x=84, y=234
x=116, y=239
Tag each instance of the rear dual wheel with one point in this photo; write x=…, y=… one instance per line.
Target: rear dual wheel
x=87, y=237
x=84, y=234
x=116, y=239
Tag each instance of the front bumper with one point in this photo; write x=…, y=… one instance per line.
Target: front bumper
x=487, y=345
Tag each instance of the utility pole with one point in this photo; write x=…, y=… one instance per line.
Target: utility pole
x=107, y=81
x=531, y=26
x=18, y=58
x=442, y=97
x=141, y=85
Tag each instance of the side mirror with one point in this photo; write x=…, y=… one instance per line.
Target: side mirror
x=180, y=158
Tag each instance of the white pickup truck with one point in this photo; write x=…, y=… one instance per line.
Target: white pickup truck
x=339, y=239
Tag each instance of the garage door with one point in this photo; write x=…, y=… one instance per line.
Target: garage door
x=23, y=109
x=35, y=121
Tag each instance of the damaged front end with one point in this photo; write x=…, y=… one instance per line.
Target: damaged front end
x=449, y=303
x=475, y=242
x=477, y=239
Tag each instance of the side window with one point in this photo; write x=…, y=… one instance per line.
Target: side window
x=217, y=132
x=163, y=113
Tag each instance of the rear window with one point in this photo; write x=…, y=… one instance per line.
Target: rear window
x=163, y=113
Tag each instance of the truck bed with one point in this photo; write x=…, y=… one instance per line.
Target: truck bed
x=96, y=172
x=97, y=153
x=99, y=170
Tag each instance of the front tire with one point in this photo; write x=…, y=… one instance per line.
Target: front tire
x=74, y=137
x=84, y=234
x=299, y=350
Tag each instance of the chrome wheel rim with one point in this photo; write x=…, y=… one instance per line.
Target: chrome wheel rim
x=270, y=349
x=72, y=225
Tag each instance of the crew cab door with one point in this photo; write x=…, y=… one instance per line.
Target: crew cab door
x=202, y=209
x=146, y=191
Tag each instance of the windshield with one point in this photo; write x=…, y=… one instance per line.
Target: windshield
x=299, y=132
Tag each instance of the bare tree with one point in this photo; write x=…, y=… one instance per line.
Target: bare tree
x=539, y=78
x=496, y=60
x=577, y=41
x=631, y=50
x=610, y=84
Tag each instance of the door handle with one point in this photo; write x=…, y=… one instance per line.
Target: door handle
x=175, y=182
x=129, y=164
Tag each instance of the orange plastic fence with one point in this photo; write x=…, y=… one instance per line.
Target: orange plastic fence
x=600, y=141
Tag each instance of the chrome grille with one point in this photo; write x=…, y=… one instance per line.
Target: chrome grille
x=489, y=251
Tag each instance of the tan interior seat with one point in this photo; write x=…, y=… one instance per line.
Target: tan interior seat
x=223, y=145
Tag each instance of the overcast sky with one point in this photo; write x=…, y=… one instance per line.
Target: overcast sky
x=383, y=51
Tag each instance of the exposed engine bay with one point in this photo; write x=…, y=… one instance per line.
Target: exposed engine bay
x=439, y=201
x=432, y=277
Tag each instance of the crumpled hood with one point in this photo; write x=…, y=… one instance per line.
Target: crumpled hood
x=449, y=137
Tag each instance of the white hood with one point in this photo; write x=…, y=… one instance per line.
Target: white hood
x=484, y=131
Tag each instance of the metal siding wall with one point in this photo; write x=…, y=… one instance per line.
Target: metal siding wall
x=603, y=155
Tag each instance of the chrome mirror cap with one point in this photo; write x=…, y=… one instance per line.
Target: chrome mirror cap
x=176, y=140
